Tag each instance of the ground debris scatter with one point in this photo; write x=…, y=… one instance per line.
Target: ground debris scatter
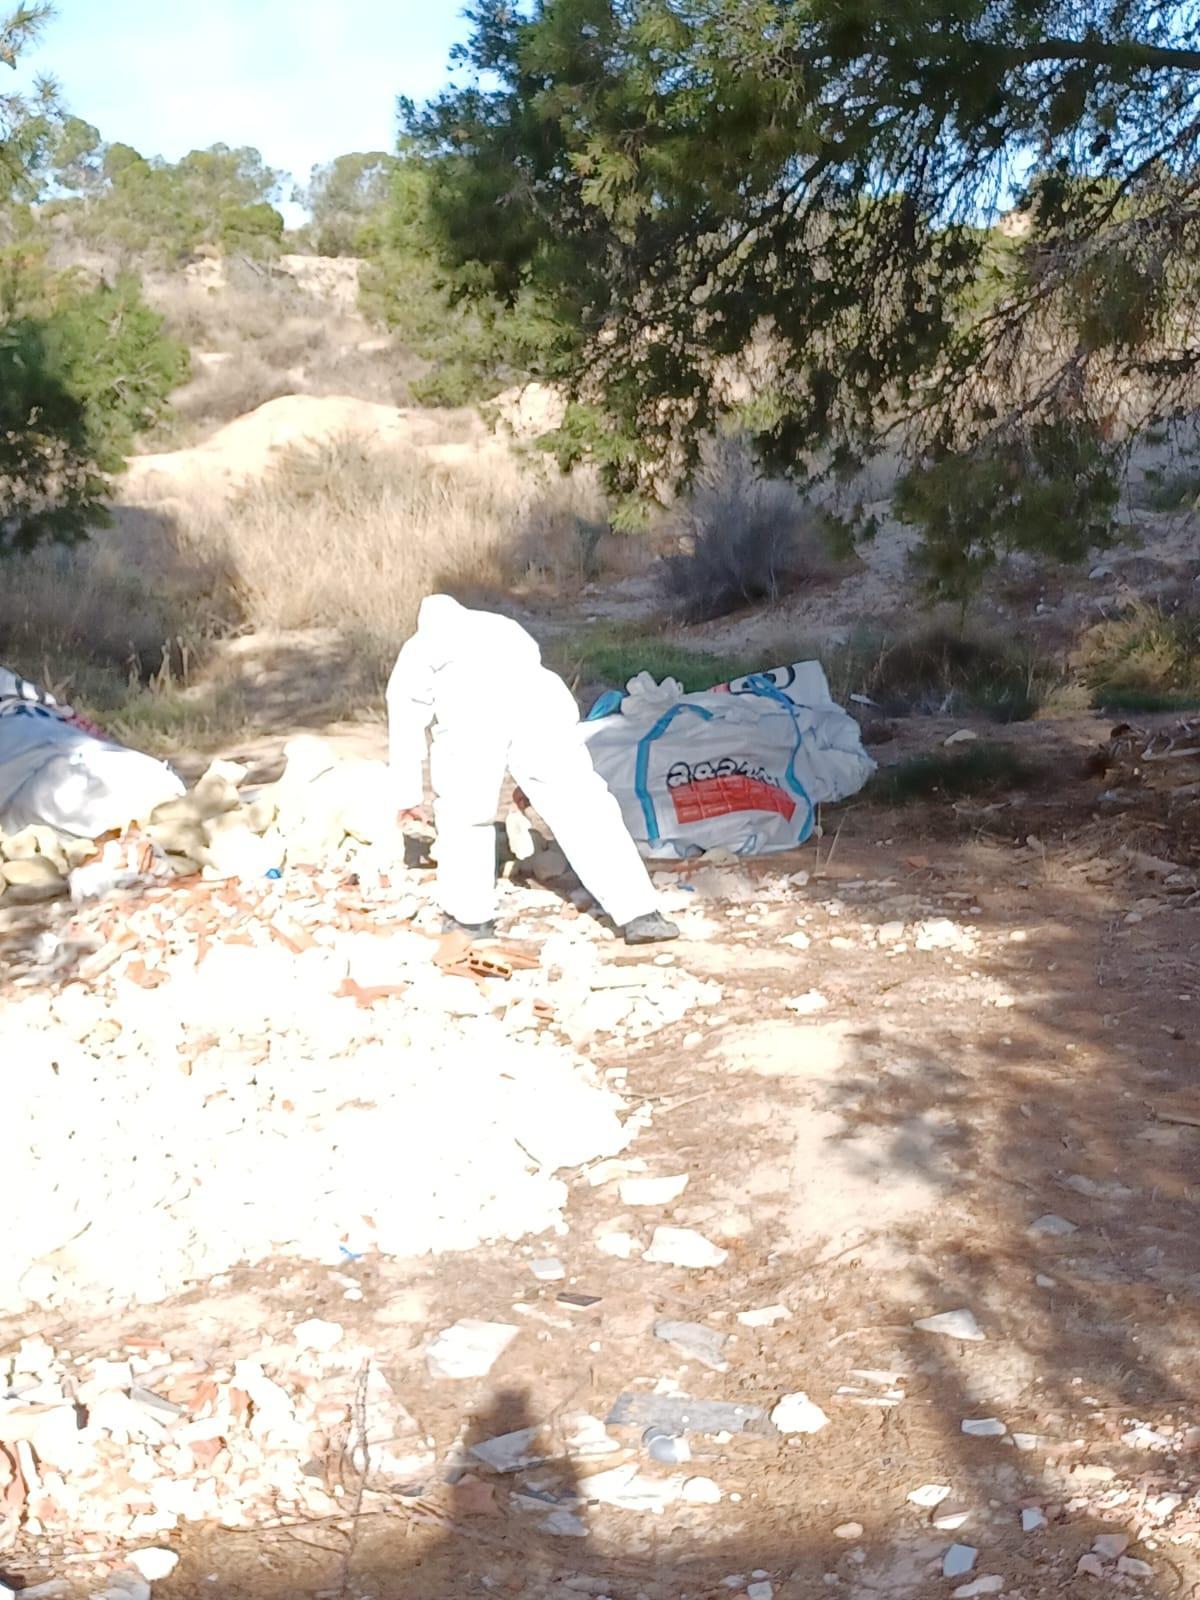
x=339, y=1262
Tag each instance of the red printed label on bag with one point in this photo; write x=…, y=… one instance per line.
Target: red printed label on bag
x=702, y=798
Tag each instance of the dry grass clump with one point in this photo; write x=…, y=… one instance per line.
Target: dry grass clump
x=743, y=540
x=351, y=537
x=261, y=336
x=133, y=605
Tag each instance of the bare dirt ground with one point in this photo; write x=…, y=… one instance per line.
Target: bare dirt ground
x=991, y=1022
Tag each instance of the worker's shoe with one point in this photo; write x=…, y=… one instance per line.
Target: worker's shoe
x=477, y=930
x=653, y=928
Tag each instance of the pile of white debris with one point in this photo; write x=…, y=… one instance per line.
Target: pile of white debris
x=129, y=1448
x=223, y=1070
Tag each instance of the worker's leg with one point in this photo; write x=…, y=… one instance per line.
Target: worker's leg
x=551, y=763
x=466, y=768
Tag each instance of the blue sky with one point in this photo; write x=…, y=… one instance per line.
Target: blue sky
x=302, y=80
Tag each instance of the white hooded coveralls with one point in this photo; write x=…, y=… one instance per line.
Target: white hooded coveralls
x=478, y=677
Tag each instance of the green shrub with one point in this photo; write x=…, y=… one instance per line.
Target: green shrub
x=82, y=370
x=980, y=769
x=1145, y=660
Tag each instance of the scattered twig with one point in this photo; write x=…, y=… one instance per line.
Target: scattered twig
x=360, y=1450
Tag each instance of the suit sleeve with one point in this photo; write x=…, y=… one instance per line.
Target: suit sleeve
x=410, y=711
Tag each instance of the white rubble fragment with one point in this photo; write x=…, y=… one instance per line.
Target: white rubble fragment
x=684, y=1247
x=807, y=1005
x=848, y=1530
x=1162, y=1506
x=1090, y=1566
x=547, y=1269
x=992, y=1584
x=764, y=1316
x=762, y=1590
x=153, y=1563
x=984, y=1427
x=652, y=1191
x=1043, y=1282
x=701, y=1492
x=959, y=1560
x=959, y=1324
x=585, y=1436
x=1027, y=1441
x=942, y=934
x=621, y=1246
x=1032, y=1518
x=1144, y=1438
x=628, y=1489
x=949, y=1519
x=316, y=1334
x=929, y=1494
x=469, y=1349
x=796, y=1413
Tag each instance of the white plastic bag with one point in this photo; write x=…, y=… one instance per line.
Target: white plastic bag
x=58, y=770
x=741, y=767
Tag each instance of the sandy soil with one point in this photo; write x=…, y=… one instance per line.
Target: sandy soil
x=1007, y=1034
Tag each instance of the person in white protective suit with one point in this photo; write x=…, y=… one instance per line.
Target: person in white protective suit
x=479, y=679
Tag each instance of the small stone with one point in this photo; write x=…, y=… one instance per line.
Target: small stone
x=848, y=1530
x=1032, y=1518
x=619, y=1245
x=564, y=1525
x=1043, y=1282
x=32, y=872
x=1131, y=1567
x=950, y=1518
x=123, y=1586
x=1052, y=1226
x=154, y=1564
x=953, y=1324
x=1108, y=1546
x=760, y=1591
x=1027, y=1441
x=890, y=932
x=684, y=1247
x=959, y=1560
x=695, y=1342
x=796, y=1413
x=547, y=1269
x=1090, y=1566
x=984, y=1428
x=701, y=1492
x=963, y=736
x=316, y=1334
x=764, y=1317
x=1144, y=1438
x=469, y=1349
x=929, y=1494
x=1162, y=1506
x=992, y=1584
x=651, y=1191
x=806, y=1005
